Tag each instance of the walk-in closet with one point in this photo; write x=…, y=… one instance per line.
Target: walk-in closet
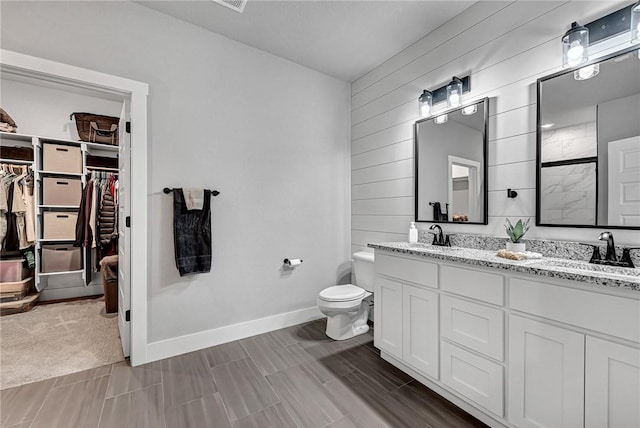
x=64, y=212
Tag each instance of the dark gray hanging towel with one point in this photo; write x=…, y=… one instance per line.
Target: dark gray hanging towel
x=192, y=235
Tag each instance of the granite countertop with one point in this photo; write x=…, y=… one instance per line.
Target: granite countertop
x=574, y=270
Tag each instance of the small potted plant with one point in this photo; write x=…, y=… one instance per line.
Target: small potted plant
x=516, y=233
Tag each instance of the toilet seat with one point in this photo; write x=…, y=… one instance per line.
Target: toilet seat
x=342, y=293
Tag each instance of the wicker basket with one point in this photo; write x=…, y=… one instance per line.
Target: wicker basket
x=95, y=128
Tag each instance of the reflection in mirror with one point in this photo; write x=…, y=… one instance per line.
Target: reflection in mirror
x=589, y=145
x=451, y=166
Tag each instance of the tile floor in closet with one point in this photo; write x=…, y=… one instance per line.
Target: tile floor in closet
x=294, y=377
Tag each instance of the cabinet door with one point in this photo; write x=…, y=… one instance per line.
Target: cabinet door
x=420, y=329
x=612, y=385
x=546, y=375
x=387, y=333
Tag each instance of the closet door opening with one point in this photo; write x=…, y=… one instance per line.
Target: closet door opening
x=74, y=314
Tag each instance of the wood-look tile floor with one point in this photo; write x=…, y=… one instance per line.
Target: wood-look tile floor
x=294, y=377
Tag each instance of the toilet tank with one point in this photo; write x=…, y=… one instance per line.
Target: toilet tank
x=363, y=270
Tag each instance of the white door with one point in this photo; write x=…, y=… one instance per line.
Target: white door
x=387, y=334
x=546, y=375
x=124, y=237
x=420, y=329
x=612, y=385
x=624, y=182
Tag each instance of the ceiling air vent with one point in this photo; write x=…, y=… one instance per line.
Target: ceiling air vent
x=237, y=5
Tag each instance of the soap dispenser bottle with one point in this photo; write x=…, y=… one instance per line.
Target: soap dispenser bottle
x=413, y=233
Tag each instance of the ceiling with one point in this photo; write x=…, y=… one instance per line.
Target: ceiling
x=344, y=39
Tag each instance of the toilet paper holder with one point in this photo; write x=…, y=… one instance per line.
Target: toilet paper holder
x=292, y=262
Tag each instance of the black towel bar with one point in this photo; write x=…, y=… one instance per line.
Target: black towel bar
x=168, y=190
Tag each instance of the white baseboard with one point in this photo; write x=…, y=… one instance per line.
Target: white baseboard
x=205, y=339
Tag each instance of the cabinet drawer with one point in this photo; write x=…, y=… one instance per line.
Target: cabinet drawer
x=59, y=225
x=61, y=191
x=61, y=258
x=487, y=287
x=59, y=158
x=476, y=326
x=476, y=378
x=416, y=271
x=614, y=315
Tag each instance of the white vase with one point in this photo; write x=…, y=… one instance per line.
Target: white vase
x=518, y=247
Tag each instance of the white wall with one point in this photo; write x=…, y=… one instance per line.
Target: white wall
x=505, y=46
x=270, y=135
x=44, y=111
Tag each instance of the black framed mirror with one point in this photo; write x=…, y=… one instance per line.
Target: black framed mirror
x=451, y=166
x=588, y=145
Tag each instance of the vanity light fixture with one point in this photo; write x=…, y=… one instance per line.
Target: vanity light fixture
x=587, y=72
x=425, y=102
x=439, y=120
x=469, y=110
x=454, y=92
x=576, y=41
x=457, y=87
x=635, y=23
x=575, y=46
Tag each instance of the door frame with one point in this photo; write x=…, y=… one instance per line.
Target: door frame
x=137, y=93
x=474, y=183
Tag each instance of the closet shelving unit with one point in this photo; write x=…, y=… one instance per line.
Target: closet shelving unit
x=28, y=300
x=36, y=143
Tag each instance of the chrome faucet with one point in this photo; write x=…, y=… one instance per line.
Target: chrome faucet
x=439, y=238
x=611, y=248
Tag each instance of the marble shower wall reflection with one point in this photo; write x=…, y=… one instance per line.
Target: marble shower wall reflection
x=568, y=193
x=571, y=142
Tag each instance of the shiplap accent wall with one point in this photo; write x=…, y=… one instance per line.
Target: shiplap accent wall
x=505, y=47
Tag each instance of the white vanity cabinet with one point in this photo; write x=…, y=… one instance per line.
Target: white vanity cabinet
x=546, y=375
x=420, y=329
x=388, y=316
x=472, y=333
x=407, y=312
x=612, y=384
x=513, y=349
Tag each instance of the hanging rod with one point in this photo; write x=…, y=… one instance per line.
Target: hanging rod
x=16, y=161
x=168, y=190
x=102, y=168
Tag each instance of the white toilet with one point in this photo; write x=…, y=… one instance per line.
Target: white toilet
x=347, y=306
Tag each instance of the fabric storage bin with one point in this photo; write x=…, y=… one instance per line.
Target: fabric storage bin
x=61, y=191
x=12, y=270
x=17, y=290
x=59, y=225
x=60, y=158
x=61, y=258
